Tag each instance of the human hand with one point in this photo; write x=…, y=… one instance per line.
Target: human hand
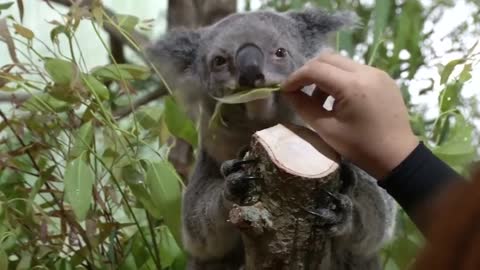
x=369, y=121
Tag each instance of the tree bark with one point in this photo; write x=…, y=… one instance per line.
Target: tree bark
x=281, y=230
x=196, y=13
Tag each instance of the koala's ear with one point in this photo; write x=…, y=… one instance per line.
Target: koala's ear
x=176, y=51
x=315, y=24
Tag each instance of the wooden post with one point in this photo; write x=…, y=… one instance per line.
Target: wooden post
x=296, y=170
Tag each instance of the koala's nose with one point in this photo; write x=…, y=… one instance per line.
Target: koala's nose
x=249, y=61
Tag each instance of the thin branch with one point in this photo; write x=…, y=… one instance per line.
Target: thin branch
x=13, y=98
x=147, y=98
x=139, y=38
x=71, y=221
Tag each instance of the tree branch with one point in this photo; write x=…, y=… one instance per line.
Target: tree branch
x=141, y=40
x=145, y=99
x=13, y=98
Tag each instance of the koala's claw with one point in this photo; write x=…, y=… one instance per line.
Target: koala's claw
x=336, y=216
x=240, y=187
x=230, y=166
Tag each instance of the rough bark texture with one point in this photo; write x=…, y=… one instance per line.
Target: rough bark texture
x=195, y=13
x=281, y=231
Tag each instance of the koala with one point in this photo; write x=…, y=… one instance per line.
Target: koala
x=244, y=51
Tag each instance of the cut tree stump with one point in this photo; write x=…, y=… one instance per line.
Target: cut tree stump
x=296, y=169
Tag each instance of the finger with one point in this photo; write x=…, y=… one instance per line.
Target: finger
x=332, y=80
x=310, y=108
x=340, y=61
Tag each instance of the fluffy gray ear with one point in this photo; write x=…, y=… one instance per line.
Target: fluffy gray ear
x=315, y=24
x=176, y=51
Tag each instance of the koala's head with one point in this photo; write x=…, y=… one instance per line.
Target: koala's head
x=245, y=50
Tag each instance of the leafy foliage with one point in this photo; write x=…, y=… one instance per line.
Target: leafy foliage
x=82, y=187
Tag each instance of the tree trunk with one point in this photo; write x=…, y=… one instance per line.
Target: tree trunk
x=281, y=230
x=195, y=13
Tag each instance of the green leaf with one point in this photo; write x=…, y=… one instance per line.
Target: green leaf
x=45, y=103
x=3, y=259
x=465, y=75
x=450, y=97
x=121, y=71
x=127, y=22
x=135, y=179
x=83, y=139
x=23, y=31
x=457, y=148
x=149, y=117
x=248, y=95
x=5, y=6
x=26, y=261
x=447, y=71
x=178, y=122
x=97, y=13
x=381, y=14
x=79, y=180
x=64, y=92
x=95, y=86
x=61, y=71
x=345, y=41
x=60, y=29
x=168, y=248
x=164, y=185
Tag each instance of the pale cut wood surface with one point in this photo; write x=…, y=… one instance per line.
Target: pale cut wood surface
x=294, y=154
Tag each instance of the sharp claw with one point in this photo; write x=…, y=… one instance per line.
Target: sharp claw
x=251, y=178
x=243, y=162
x=331, y=195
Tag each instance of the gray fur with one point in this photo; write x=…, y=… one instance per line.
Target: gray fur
x=185, y=57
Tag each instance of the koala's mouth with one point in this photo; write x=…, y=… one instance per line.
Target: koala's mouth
x=259, y=110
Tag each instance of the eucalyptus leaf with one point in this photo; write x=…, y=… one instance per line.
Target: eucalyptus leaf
x=23, y=31
x=450, y=97
x=465, y=75
x=45, y=103
x=457, y=148
x=79, y=180
x=97, y=87
x=149, y=117
x=178, y=122
x=4, y=6
x=127, y=22
x=168, y=247
x=60, y=29
x=447, y=71
x=121, y=72
x=61, y=71
x=83, y=139
x=164, y=185
x=3, y=259
x=248, y=95
x=381, y=15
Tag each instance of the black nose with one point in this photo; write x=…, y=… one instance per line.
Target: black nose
x=249, y=61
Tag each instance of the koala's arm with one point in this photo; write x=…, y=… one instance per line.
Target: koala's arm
x=374, y=214
x=206, y=233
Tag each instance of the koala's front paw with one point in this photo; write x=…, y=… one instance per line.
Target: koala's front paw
x=240, y=188
x=335, y=215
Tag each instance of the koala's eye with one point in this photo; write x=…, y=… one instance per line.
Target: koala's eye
x=281, y=53
x=219, y=61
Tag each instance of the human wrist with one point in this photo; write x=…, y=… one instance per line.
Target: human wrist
x=393, y=154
